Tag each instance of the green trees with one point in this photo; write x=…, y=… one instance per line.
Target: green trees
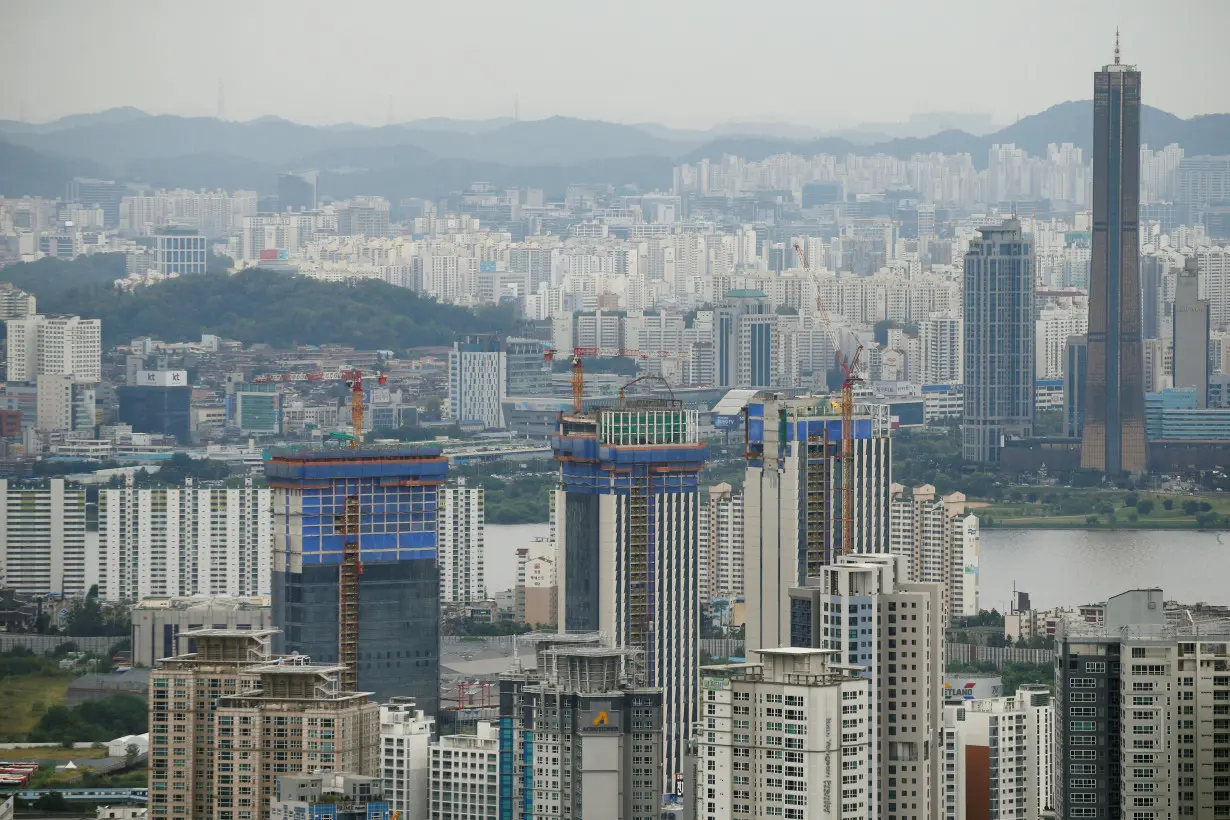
x=1144, y=506
x=252, y=306
x=94, y=720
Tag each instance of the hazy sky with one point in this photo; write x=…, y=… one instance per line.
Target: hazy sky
x=679, y=62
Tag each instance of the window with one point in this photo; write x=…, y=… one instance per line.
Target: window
x=1082, y=711
x=1095, y=667
x=1083, y=683
x=1082, y=726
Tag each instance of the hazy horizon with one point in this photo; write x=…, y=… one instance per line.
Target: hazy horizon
x=683, y=64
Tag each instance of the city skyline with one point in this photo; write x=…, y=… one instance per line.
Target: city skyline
x=367, y=73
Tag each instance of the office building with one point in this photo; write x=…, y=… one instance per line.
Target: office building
x=171, y=542
x=15, y=303
x=1191, y=334
x=461, y=523
x=477, y=373
x=210, y=709
x=999, y=341
x=939, y=543
x=98, y=193
x=1113, y=439
x=793, y=497
x=529, y=373
x=997, y=756
x=158, y=401
x=1075, y=367
x=1203, y=180
x=399, y=588
x=43, y=540
x=42, y=345
x=180, y=253
x=721, y=544
x=789, y=735
x=626, y=520
x=465, y=776
x=536, y=596
x=254, y=408
x=364, y=216
x=893, y=629
x=740, y=354
x=405, y=738
x=337, y=796
x=1138, y=704
x=297, y=190
x=158, y=622
x=63, y=403
x=580, y=737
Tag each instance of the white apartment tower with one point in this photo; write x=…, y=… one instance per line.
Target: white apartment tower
x=460, y=523
x=465, y=780
x=790, y=736
x=405, y=744
x=477, y=381
x=184, y=541
x=41, y=345
x=893, y=630
x=43, y=541
x=940, y=340
x=721, y=544
x=939, y=543
x=998, y=752
x=792, y=505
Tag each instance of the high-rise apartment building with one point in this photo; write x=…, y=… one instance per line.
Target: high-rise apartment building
x=1140, y=711
x=62, y=403
x=740, y=353
x=43, y=540
x=465, y=776
x=536, y=596
x=1054, y=326
x=999, y=340
x=1113, y=439
x=792, y=501
x=894, y=630
x=158, y=622
x=626, y=520
x=477, y=381
x=939, y=542
x=229, y=718
x=399, y=588
x=579, y=737
x=791, y=735
x=43, y=345
x=189, y=541
x=405, y=749
x=721, y=544
x=1191, y=334
x=460, y=524
x=997, y=755
x=940, y=340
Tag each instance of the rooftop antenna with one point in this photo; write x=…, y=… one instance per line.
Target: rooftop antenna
x=1116, y=45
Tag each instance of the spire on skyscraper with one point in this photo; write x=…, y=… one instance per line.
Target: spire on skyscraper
x=1116, y=45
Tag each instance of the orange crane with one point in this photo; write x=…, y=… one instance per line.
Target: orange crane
x=578, y=367
x=850, y=377
x=354, y=380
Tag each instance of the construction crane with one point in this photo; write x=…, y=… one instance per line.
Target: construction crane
x=354, y=380
x=578, y=367
x=623, y=390
x=348, y=595
x=850, y=377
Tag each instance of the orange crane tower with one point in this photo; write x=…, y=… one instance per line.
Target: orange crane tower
x=578, y=367
x=849, y=371
x=351, y=567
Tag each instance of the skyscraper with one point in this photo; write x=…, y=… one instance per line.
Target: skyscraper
x=1113, y=440
x=792, y=504
x=477, y=380
x=626, y=521
x=462, y=521
x=399, y=587
x=999, y=340
x=1191, y=334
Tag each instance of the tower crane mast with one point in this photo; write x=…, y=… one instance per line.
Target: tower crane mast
x=850, y=377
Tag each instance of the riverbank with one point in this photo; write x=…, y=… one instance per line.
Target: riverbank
x=1065, y=508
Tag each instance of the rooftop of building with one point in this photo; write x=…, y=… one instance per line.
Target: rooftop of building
x=364, y=452
x=202, y=602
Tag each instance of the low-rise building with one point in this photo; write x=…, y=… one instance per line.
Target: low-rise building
x=336, y=796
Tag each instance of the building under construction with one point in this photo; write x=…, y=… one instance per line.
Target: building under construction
x=799, y=512
x=626, y=517
x=354, y=578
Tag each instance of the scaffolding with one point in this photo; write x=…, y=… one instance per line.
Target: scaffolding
x=819, y=478
x=348, y=596
x=639, y=560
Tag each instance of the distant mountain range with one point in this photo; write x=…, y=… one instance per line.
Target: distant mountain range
x=430, y=157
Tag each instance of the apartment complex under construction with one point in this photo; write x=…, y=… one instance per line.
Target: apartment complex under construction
x=381, y=502
x=626, y=518
x=229, y=718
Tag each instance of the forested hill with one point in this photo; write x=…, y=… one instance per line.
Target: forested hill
x=253, y=306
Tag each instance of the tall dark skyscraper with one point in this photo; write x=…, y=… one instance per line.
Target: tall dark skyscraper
x=1113, y=439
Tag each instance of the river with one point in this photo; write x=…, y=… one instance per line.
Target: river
x=1074, y=567
x=1056, y=567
